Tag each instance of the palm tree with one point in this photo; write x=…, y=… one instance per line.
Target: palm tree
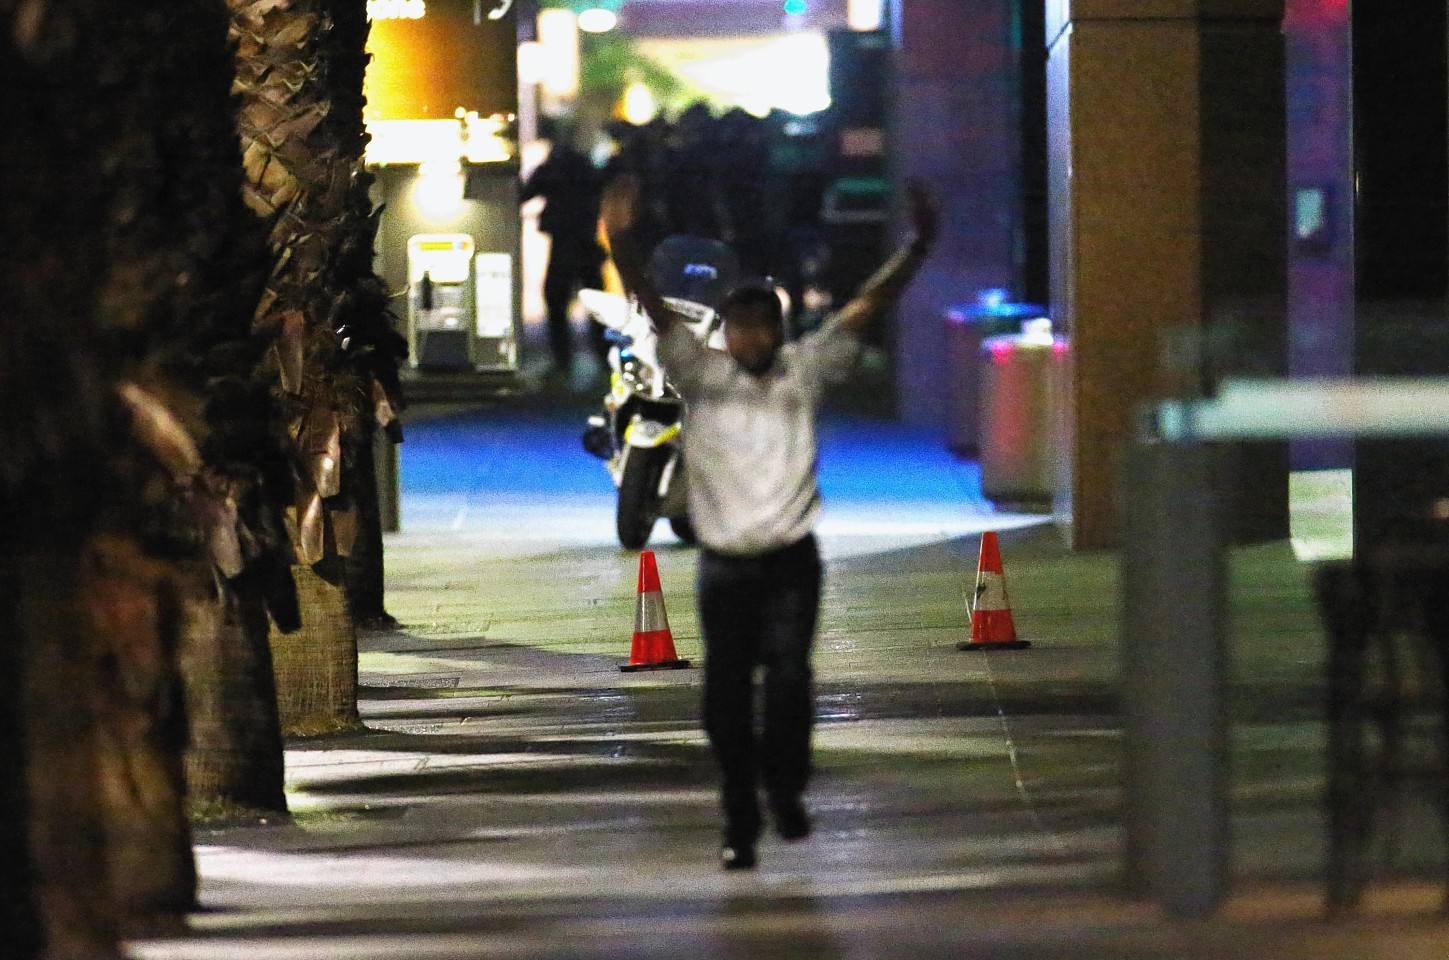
x=65, y=461
x=300, y=65
x=188, y=266
x=213, y=354
x=17, y=904
x=133, y=470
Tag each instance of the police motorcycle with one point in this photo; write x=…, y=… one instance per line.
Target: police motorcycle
x=638, y=433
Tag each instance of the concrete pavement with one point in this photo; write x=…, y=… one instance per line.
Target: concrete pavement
x=515, y=795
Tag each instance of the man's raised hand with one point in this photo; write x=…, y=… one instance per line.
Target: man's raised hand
x=616, y=210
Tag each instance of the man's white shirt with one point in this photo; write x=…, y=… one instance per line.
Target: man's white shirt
x=749, y=442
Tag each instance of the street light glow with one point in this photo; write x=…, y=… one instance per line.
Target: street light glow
x=864, y=14
x=598, y=20
x=639, y=104
x=558, y=33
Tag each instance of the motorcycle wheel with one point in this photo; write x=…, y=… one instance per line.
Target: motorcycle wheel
x=639, y=498
x=683, y=528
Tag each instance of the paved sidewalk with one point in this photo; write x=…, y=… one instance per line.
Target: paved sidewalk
x=516, y=795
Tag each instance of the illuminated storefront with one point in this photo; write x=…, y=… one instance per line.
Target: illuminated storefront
x=442, y=102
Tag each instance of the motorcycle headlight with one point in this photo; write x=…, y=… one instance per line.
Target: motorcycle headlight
x=637, y=370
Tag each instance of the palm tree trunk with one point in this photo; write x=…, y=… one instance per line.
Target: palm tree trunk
x=68, y=817
x=300, y=66
x=123, y=267
x=317, y=677
x=234, y=758
x=17, y=882
x=184, y=270
x=295, y=180
x=133, y=617
x=68, y=462
x=215, y=351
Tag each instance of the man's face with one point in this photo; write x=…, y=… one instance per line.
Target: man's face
x=752, y=337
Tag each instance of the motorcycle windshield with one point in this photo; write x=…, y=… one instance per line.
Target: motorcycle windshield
x=694, y=269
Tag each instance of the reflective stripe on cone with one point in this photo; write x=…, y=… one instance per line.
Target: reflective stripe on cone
x=653, y=646
x=991, y=625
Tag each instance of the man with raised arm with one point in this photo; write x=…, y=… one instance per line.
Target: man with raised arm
x=750, y=452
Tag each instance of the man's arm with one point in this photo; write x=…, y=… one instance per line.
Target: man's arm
x=538, y=182
x=617, y=210
x=880, y=293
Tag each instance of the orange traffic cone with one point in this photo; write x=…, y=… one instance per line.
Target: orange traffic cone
x=991, y=625
x=653, y=647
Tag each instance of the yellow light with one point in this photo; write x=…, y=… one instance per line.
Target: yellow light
x=532, y=62
x=439, y=169
x=438, y=190
x=396, y=9
x=639, y=104
x=864, y=14
x=558, y=35
x=424, y=141
x=598, y=20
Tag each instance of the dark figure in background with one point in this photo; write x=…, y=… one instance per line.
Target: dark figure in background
x=692, y=191
x=569, y=185
x=743, y=153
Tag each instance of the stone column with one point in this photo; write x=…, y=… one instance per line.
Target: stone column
x=1166, y=142
x=957, y=126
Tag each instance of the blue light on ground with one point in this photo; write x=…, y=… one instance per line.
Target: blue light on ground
x=485, y=461
x=500, y=451
x=880, y=461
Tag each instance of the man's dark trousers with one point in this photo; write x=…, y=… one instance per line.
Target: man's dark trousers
x=759, y=610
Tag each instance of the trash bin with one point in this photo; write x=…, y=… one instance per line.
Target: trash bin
x=967, y=325
x=1022, y=379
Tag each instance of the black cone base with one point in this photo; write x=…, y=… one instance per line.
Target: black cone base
x=661, y=665
x=1004, y=645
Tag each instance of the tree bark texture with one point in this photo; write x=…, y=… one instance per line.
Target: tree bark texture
x=234, y=764
x=300, y=66
x=133, y=607
x=18, y=916
x=313, y=677
x=68, y=824
x=186, y=266
x=125, y=338
x=60, y=441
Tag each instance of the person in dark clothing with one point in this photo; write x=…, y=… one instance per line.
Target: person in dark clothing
x=691, y=193
x=569, y=185
x=744, y=152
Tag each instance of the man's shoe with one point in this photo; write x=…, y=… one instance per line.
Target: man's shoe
x=740, y=856
x=791, y=820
